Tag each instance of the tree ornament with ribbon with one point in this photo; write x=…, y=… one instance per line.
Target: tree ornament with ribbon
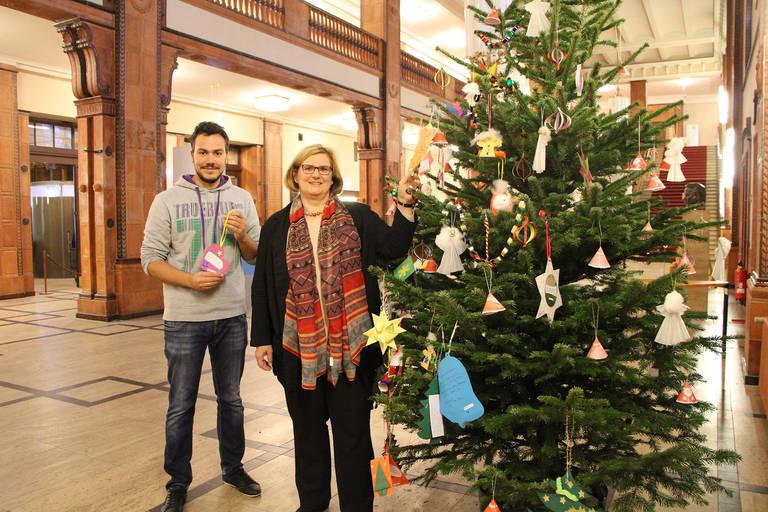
x=558, y=121
x=548, y=282
x=523, y=231
x=442, y=79
x=584, y=169
x=213, y=259
x=648, y=228
x=501, y=199
x=492, y=506
x=492, y=304
x=686, y=261
x=638, y=163
x=540, y=158
x=599, y=260
x=596, y=351
x=495, y=45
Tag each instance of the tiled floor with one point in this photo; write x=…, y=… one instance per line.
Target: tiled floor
x=82, y=408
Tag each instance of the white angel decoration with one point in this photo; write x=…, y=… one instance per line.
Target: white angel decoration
x=501, y=199
x=674, y=157
x=451, y=241
x=540, y=158
x=471, y=93
x=539, y=22
x=672, y=330
x=718, y=269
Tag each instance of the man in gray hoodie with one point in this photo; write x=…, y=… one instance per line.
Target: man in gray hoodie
x=195, y=235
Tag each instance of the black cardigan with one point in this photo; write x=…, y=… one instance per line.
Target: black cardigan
x=270, y=283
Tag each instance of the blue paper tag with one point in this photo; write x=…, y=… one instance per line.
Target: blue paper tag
x=458, y=402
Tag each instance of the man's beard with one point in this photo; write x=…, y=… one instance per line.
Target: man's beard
x=207, y=180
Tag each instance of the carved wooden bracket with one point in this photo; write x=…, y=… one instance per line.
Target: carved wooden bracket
x=169, y=61
x=90, y=48
x=369, y=119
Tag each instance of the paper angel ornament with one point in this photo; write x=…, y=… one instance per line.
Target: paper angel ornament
x=674, y=157
x=489, y=140
x=540, y=158
x=471, y=93
x=579, y=75
x=672, y=330
x=548, y=284
x=501, y=199
x=451, y=241
x=539, y=22
x=723, y=248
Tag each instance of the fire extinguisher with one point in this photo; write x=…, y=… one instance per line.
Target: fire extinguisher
x=740, y=283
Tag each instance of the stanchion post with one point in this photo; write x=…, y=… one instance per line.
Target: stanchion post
x=724, y=343
x=45, y=271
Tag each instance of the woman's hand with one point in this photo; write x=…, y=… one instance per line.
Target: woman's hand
x=264, y=357
x=406, y=187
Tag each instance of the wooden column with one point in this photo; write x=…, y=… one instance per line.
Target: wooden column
x=382, y=19
x=16, y=277
x=273, y=166
x=253, y=177
x=637, y=93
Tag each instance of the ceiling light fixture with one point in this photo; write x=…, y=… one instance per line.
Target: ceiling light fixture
x=685, y=82
x=272, y=103
x=417, y=10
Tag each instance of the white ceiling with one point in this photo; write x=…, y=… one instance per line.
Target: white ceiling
x=684, y=35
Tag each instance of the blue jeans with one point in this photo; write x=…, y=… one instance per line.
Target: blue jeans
x=185, y=345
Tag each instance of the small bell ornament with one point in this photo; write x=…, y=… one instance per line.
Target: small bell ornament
x=596, y=351
x=493, y=17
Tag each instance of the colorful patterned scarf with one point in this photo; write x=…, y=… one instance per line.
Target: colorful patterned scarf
x=343, y=289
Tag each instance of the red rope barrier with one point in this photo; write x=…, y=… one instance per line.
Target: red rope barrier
x=47, y=257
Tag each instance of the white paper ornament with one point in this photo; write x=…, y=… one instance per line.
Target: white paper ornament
x=672, y=330
x=579, y=75
x=548, y=284
x=451, y=241
x=540, y=158
x=501, y=199
x=718, y=269
x=674, y=157
x=539, y=22
x=471, y=92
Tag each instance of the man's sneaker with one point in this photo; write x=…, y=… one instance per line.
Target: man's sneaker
x=240, y=480
x=175, y=499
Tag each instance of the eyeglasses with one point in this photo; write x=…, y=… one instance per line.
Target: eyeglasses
x=324, y=170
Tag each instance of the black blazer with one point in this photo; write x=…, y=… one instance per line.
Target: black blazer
x=270, y=284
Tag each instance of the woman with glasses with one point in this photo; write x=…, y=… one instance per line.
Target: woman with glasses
x=312, y=299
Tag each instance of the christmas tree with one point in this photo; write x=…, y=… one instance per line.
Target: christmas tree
x=568, y=332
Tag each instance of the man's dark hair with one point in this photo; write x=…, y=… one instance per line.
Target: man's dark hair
x=209, y=128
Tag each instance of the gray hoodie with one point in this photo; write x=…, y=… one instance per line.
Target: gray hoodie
x=174, y=234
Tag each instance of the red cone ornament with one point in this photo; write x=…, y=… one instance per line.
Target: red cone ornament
x=493, y=17
x=431, y=266
x=686, y=396
x=492, y=507
x=599, y=260
x=596, y=351
x=439, y=138
x=686, y=260
x=654, y=184
x=638, y=164
x=492, y=305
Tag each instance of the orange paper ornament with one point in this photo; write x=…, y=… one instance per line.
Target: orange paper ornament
x=599, y=260
x=654, y=184
x=431, y=266
x=492, y=305
x=685, y=260
x=439, y=138
x=648, y=226
x=398, y=477
x=493, y=17
x=492, y=507
x=597, y=351
x=638, y=164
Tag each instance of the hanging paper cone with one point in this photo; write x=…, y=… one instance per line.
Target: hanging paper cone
x=685, y=260
x=381, y=477
x=597, y=351
x=638, y=163
x=493, y=17
x=599, y=260
x=431, y=266
x=654, y=184
x=439, y=138
x=623, y=72
x=663, y=166
x=398, y=477
x=492, y=507
x=492, y=305
x=648, y=226
x=686, y=396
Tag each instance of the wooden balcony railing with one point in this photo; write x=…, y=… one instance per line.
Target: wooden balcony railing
x=270, y=12
x=339, y=36
x=336, y=35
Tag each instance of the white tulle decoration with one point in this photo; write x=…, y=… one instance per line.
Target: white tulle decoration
x=540, y=158
x=451, y=241
x=672, y=330
x=539, y=22
x=718, y=269
x=674, y=157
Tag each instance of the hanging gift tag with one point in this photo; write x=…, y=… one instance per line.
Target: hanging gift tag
x=435, y=418
x=458, y=403
x=214, y=261
x=381, y=477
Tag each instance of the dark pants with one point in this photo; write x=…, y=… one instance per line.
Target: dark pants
x=185, y=345
x=349, y=410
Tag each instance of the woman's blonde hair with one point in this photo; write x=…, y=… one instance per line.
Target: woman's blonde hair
x=338, y=182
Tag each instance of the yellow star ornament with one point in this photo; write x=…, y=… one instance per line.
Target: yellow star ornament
x=384, y=332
